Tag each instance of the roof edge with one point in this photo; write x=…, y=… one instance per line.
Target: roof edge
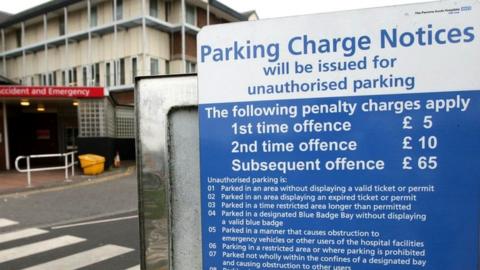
x=228, y=10
x=36, y=11
x=56, y=4
x=6, y=81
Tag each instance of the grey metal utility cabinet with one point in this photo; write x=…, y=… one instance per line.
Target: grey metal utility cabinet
x=168, y=172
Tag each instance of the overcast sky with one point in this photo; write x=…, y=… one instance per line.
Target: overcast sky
x=282, y=8
x=264, y=8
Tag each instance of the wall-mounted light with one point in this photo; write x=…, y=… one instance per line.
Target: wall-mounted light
x=25, y=102
x=75, y=103
x=40, y=108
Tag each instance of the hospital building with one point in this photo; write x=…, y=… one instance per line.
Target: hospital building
x=68, y=68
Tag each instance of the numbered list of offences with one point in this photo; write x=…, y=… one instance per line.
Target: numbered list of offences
x=337, y=183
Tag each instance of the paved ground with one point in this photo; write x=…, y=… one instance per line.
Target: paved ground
x=88, y=224
x=13, y=181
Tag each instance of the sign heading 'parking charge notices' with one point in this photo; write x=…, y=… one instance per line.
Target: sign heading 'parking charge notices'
x=342, y=141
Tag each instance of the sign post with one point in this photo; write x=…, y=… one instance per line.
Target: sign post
x=342, y=141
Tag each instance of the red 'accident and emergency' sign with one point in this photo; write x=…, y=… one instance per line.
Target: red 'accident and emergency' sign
x=51, y=91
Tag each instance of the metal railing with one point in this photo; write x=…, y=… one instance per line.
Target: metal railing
x=69, y=159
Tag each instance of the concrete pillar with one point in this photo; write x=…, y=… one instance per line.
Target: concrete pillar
x=67, y=56
x=144, y=38
x=89, y=60
x=24, y=63
x=4, y=59
x=5, y=136
x=45, y=48
x=184, y=10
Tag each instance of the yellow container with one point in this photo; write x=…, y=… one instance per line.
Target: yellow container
x=94, y=169
x=92, y=164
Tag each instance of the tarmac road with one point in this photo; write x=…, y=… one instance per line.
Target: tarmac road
x=92, y=225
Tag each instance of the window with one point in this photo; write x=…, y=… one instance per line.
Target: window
x=95, y=74
x=91, y=116
x=168, y=10
x=167, y=67
x=61, y=26
x=115, y=73
x=154, y=66
x=85, y=76
x=119, y=72
x=134, y=69
x=191, y=67
x=122, y=71
x=91, y=75
x=124, y=122
x=107, y=74
x=191, y=15
x=73, y=76
x=69, y=77
x=18, y=35
x=51, y=79
x=71, y=136
x=93, y=16
x=154, y=8
x=119, y=13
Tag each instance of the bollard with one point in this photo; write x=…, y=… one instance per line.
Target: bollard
x=66, y=167
x=29, y=177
